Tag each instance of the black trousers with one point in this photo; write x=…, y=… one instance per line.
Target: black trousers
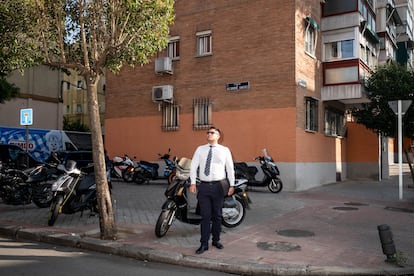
x=210, y=198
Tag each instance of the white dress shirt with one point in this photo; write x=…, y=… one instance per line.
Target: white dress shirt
x=221, y=164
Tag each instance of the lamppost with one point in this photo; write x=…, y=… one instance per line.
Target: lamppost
x=400, y=107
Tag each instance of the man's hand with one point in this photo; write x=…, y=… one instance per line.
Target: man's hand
x=193, y=188
x=231, y=191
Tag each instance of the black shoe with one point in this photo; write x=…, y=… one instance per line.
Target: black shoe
x=201, y=249
x=218, y=245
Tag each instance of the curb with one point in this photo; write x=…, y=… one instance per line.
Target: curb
x=147, y=254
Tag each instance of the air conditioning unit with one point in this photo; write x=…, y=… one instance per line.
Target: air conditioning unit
x=163, y=65
x=163, y=93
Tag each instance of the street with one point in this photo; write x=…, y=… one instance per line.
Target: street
x=30, y=258
x=319, y=229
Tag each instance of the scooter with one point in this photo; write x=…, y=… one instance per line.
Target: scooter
x=141, y=172
x=73, y=192
x=170, y=169
x=176, y=206
x=270, y=170
x=119, y=165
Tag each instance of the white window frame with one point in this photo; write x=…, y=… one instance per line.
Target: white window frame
x=204, y=43
x=173, y=48
x=310, y=41
x=333, y=50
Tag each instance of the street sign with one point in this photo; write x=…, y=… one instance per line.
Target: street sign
x=26, y=117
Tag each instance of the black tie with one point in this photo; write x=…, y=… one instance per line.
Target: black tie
x=208, y=162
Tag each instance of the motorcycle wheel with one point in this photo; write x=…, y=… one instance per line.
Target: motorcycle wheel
x=140, y=178
x=275, y=185
x=128, y=175
x=233, y=221
x=54, y=210
x=163, y=222
x=42, y=195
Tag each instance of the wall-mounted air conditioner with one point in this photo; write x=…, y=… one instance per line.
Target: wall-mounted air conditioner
x=162, y=93
x=163, y=65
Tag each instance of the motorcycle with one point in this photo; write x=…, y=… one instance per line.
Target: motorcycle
x=31, y=185
x=270, y=170
x=170, y=169
x=141, y=172
x=74, y=191
x=119, y=165
x=176, y=206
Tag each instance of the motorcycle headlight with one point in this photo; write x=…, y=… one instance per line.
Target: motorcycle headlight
x=55, y=186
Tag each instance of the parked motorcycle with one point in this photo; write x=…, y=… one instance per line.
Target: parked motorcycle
x=176, y=205
x=19, y=187
x=74, y=191
x=141, y=172
x=119, y=165
x=170, y=169
x=270, y=170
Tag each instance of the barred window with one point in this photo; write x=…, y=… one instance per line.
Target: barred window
x=311, y=110
x=334, y=123
x=202, y=113
x=170, y=117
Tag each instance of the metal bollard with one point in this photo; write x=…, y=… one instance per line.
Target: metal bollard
x=387, y=242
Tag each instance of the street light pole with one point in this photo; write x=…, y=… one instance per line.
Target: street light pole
x=400, y=176
x=400, y=107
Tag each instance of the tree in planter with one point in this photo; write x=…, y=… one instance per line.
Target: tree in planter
x=389, y=82
x=91, y=36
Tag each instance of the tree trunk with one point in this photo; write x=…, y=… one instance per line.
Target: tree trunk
x=106, y=215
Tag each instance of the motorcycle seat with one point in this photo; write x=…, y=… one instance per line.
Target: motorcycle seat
x=85, y=182
x=146, y=163
x=242, y=166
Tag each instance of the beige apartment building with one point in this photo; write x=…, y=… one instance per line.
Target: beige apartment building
x=52, y=95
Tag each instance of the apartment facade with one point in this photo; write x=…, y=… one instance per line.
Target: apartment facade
x=279, y=75
x=52, y=95
x=40, y=89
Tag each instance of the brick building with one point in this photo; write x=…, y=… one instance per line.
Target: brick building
x=268, y=73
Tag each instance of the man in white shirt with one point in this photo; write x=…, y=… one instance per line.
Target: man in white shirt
x=215, y=167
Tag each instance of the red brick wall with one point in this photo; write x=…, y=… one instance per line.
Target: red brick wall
x=259, y=41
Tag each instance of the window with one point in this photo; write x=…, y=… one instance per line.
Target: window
x=310, y=35
x=339, y=49
x=170, y=116
x=311, y=110
x=334, y=123
x=78, y=108
x=79, y=84
x=204, y=43
x=202, y=113
x=174, y=48
x=341, y=75
x=67, y=109
x=310, y=40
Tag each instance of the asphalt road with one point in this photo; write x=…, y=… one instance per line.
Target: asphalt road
x=29, y=258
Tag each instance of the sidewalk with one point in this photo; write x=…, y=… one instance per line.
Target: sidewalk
x=329, y=230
